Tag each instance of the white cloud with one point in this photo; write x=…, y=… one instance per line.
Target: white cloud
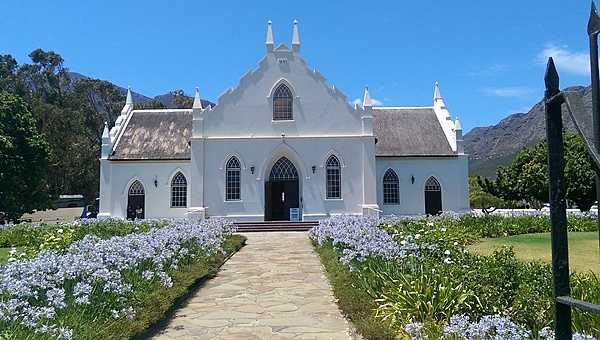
x=573, y=62
x=509, y=92
x=373, y=100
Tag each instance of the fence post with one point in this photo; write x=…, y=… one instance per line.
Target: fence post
x=593, y=30
x=558, y=212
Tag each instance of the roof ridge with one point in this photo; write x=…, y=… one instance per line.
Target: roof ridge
x=402, y=107
x=163, y=110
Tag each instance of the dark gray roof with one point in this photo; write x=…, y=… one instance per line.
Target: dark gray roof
x=406, y=132
x=166, y=134
x=156, y=135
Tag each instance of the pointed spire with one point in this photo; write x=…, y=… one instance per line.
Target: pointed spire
x=197, y=101
x=295, y=37
x=437, y=94
x=128, y=107
x=269, y=41
x=457, y=125
x=129, y=99
x=367, y=102
x=105, y=133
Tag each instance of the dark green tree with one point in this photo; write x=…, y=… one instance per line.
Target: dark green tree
x=181, y=100
x=526, y=178
x=580, y=173
x=70, y=113
x=23, y=160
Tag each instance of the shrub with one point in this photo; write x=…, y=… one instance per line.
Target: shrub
x=423, y=295
x=431, y=278
x=96, y=283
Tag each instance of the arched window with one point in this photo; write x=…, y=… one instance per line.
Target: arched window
x=391, y=187
x=432, y=184
x=178, y=191
x=135, y=201
x=433, y=196
x=232, y=180
x=283, y=170
x=282, y=103
x=136, y=189
x=333, y=178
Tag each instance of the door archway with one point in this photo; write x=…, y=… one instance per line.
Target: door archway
x=136, y=201
x=433, y=196
x=281, y=191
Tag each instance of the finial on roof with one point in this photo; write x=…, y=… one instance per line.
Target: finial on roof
x=437, y=94
x=295, y=37
x=367, y=102
x=269, y=41
x=457, y=125
x=197, y=101
x=129, y=99
x=105, y=133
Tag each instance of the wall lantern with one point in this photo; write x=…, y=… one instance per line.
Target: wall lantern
x=412, y=179
x=252, y=169
x=314, y=168
x=155, y=182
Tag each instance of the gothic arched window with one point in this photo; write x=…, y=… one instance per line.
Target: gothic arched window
x=179, y=191
x=391, y=187
x=333, y=178
x=232, y=180
x=136, y=200
x=282, y=103
x=283, y=170
x=433, y=196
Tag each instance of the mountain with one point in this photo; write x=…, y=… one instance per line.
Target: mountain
x=167, y=99
x=492, y=146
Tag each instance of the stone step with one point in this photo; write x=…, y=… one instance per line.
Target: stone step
x=275, y=226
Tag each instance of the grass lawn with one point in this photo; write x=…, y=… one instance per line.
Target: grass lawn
x=583, y=248
x=4, y=255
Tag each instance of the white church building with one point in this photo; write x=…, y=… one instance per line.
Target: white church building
x=283, y=144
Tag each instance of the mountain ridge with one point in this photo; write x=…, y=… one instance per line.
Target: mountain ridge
x=496, y=145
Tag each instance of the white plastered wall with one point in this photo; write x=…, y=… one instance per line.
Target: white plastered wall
x=451, y=172
x=113, y=202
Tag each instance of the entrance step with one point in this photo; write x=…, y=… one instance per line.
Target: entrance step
x=243, y=227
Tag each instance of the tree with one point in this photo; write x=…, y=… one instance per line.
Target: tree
x=482, y=199
x=23, y=160
x=181, y=100
x=580, y=173
x=526, y=178
x=70, y=113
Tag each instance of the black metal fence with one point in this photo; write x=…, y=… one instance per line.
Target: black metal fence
x=589, y=128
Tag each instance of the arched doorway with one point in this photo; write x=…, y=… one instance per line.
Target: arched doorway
x=433, y=196
x=281, y=191
x=135, y=201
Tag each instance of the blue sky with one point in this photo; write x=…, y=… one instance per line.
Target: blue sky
x=487, y=55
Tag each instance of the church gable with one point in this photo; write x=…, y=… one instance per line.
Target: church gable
x=256, y=107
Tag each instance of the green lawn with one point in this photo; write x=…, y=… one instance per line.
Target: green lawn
x=4, y=255
x=583, y=248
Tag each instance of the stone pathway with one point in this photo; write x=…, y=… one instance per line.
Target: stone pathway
x=273, y=288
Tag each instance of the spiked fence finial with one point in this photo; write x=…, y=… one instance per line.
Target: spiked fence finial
x=551, y=78
x=594, y=21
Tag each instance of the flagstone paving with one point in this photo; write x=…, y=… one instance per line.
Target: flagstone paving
x=273, y=288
